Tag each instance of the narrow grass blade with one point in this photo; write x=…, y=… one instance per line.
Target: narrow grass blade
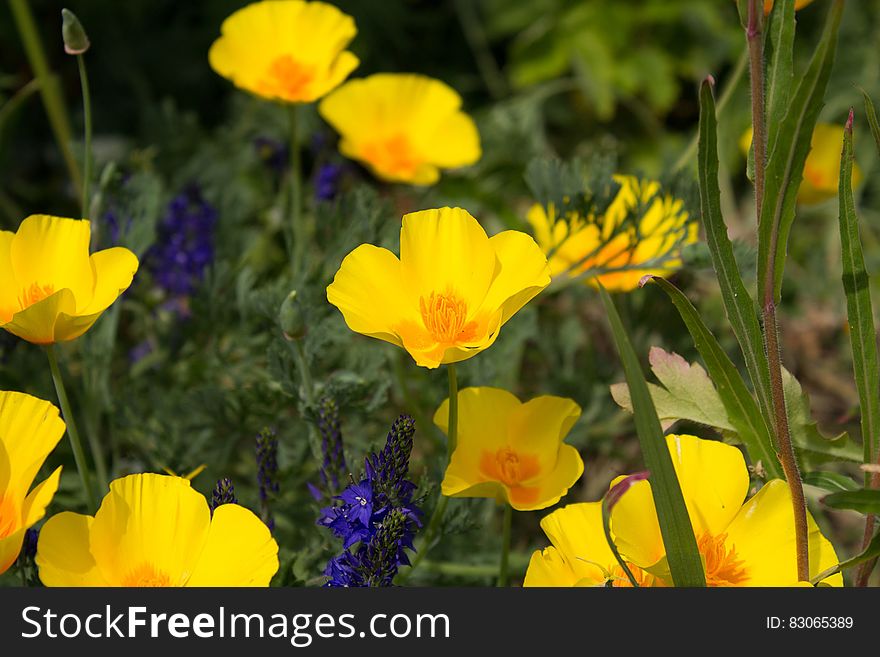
x=742, y=410
x=859, y=309
x=864, y=500
x=833, y=482
x=740, y=307
x=872, y=119
x=675, y=524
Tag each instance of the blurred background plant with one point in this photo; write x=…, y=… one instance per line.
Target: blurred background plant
x=193, y=363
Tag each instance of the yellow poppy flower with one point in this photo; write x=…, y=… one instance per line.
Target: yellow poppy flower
x=405, y=128
x=749, y=543
x=579, y=554
x=798, y=4
x=155, y=530
x=608, y=249
x=450, y=292
x=510, y=450
x=29, y=429
x=52, y=289
x=286, y=50
x=822, y=167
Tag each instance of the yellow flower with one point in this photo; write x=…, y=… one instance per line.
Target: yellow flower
x=405, y=128
x=29, y=429
x=509, y=450
x=749, y=543
x=52, y=289
x=822, y=167
x=286, y=50
x=798, y=4
x=450, y=292
x=155, y=530
x=617, y=249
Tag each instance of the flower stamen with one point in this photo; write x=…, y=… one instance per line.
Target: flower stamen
x=445, y=318
x=34, y=294
x=146, y=575
x=723, y=567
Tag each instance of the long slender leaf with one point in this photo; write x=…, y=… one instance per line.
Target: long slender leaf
x=780, y=73
x=859, y=310
x=870, y=552
x=872, y=118
x=738, y=303
x=789, y=145
x=682, y=554
x=833, y=482
x=864, y=500
x=742, y=410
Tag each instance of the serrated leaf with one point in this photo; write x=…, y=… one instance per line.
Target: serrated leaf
x=833, y=482
x=788, y=145
x=685, y=564
x=864, y=500
x=859, y=309
x=738, y=303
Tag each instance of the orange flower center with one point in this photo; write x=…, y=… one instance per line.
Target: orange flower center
x=393, y=156
x=287, y=79
x=34, y=294
x=642, y=577
x=723, y=567
x=9, y=517
x=146, y=575
x=445, y=318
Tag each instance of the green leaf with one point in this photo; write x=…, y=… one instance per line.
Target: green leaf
x=864, y=500
x=682, y=554
x=833, y=482
x=872, y=118
x=788, y=145
x=780, y=73
x=870, y=552
x=859, y=310
x=738, y=303
x=813, y=448
x=742, y=411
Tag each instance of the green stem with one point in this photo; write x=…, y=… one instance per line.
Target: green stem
x=440, y=509
x=50, y=89
x=771, y=326
x=296, y=213
x=87, y=141
x=729, y=87
x=78, y=454
x=304, y=372
x=505, y=545
x=92, y=424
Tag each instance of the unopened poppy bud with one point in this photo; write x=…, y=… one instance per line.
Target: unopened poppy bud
x=76, y=42
x=291, y=318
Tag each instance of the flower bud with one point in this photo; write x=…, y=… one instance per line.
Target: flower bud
x=293, y=324
x=76, y=42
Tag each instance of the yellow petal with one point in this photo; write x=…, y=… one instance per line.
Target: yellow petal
x=39, y=498
x=44, y=321
x=714, y=480
x=455, y=142
x=523, y=273
x=763, y=535
x=240, y=551
x=446, y=251
x=149, y=527
x=576, y=532
x=548, y=567
x=552, y=484
x=10, y=546
x=636, y=528
x=30, y=428
x=54, y=252
x=369, y=291
x=540, y=425
x=63, y=555
x=113, y=269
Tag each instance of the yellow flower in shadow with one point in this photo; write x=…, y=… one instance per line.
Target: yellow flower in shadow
x=287, y=50
x=742, y=543
x=510, y=450
x=155, y=530
x=53, y=291
x=405, y=128
x=450, y=292
x=30, y=428
x=642, y=232
x=822, y=167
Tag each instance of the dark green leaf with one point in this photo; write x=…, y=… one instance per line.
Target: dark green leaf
x=780, y=73
x=864, y=500
x=872, y=118
x=870, y=552
x=833, y=482
x=788, y=146
x=737, y=301
x=860, y=312
x=682, y=554
x=742, y=410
